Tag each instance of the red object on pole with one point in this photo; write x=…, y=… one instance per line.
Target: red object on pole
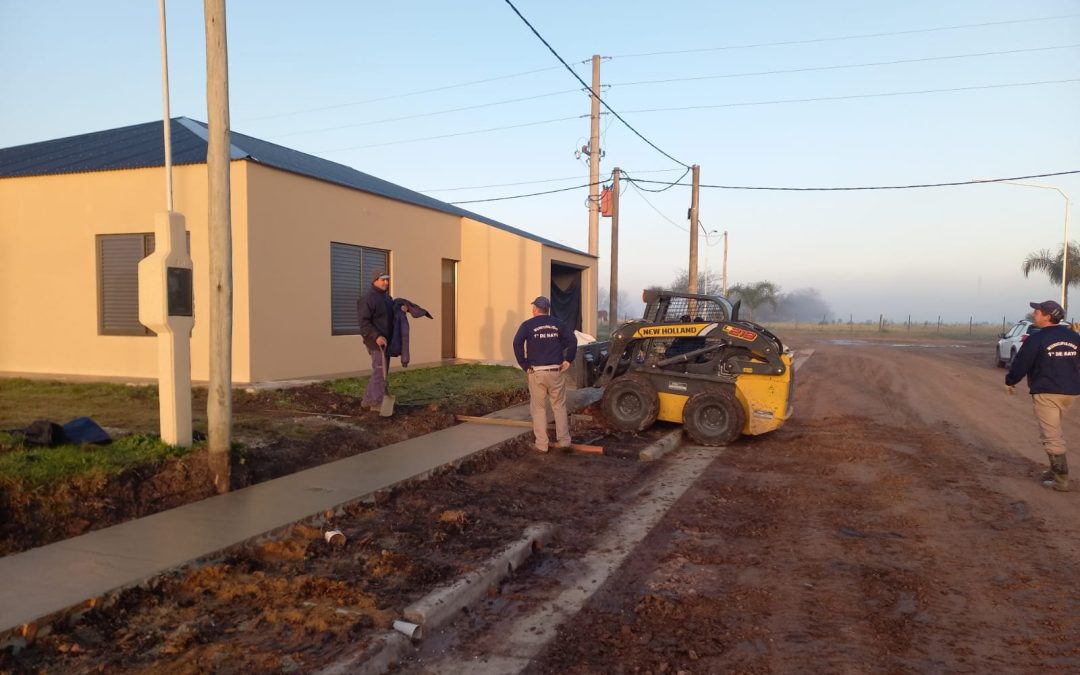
x=605, y=202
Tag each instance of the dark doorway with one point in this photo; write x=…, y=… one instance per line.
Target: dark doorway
x=449, y=309
x=566, y=294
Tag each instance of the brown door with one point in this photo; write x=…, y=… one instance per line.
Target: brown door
x=449, y=309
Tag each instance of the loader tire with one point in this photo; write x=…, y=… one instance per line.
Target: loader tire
x=714, y=417
x=630, y=404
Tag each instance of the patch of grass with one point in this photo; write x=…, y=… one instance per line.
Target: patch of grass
x=130, y=407
x=448, y=384
x=32, y=467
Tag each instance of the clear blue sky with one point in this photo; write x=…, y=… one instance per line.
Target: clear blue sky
x=310, y=76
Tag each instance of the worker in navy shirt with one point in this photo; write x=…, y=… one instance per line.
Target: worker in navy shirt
x=1050, y=359
x=544, y=348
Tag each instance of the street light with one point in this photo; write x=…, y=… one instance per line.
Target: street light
x=1065, y=251
x=706, y=289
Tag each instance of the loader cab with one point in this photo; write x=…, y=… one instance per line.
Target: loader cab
x=669, y=307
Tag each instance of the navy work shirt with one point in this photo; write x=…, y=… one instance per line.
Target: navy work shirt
x=544, y=341
x=1051, y=360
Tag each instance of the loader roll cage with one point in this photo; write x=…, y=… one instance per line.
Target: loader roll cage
x=665, y=306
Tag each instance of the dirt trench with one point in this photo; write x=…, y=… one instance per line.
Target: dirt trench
x=893, y=526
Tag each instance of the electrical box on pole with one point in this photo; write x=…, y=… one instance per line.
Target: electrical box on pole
x=167, y=307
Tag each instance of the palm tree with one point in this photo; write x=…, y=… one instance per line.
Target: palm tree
x=1049, y=261
x=756, y=294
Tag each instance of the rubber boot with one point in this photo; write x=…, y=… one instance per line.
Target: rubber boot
x=1057, y=477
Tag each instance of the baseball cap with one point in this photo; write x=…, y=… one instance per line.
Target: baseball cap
x=541, y=302
x=379, y=275
x=1050, y=308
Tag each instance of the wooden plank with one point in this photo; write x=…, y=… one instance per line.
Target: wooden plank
x=581, y=447
x=495, y=420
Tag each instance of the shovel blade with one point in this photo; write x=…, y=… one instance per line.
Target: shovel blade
x=387, y=408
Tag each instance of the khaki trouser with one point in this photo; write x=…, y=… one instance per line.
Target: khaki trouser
x=547, y=385
x=1049, y=410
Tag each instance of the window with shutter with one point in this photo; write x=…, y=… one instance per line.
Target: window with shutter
x=118, y=257
x=351, y=268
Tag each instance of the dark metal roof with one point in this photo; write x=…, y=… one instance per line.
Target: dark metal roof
x=141, y=146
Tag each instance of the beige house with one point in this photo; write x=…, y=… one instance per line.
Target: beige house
x=76, y=216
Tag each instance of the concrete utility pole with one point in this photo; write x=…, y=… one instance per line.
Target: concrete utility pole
x=694, y=228
x=594, y=161
x=724, y=291
x=219, y=398
x=613, y=298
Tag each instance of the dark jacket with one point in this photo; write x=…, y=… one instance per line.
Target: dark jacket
x=544, y=341
x=399, y=343
x=375, y=311
x=1050, y=359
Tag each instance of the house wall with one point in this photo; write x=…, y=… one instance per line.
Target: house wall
x=499, y=275
x=48, y=269
x=293, y=220
x=282, y=225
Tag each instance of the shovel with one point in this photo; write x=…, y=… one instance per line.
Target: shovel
x=387, y=409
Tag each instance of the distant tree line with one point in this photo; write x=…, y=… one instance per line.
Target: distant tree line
x=761, y=300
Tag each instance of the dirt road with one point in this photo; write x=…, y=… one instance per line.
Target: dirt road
x=893, y=526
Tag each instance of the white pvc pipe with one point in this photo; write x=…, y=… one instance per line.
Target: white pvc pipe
x=409, y=629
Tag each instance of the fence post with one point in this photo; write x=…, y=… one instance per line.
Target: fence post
x=970, y=319
x=909, y=323
x=851, y=322
x=939, y=323
x=881, y=323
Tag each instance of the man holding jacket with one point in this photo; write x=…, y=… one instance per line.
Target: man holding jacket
x=1050, y=359
x=376, y=313
x=544, y=348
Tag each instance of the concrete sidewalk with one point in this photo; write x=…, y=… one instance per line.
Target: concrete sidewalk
x=43, y=582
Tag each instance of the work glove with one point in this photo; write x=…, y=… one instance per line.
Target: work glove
x=1010, y=389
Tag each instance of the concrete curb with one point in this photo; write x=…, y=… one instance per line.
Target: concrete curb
x=441, y=605
x=661, y=447
x=384, y=650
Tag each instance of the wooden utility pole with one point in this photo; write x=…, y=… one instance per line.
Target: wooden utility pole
x=219, y=397
x=613, y=297
x=724, y=293
x=594, y=162
x=694, y=228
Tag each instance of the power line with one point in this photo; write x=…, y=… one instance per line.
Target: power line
x=531, y=194
x=842, y=67
x=597, y=94
x=869, y=187
x=851, y=96
x=429, y=114
x=635, y=181
x=710, y=107
x=651, y=206
x=393, y=96
x=669, y=185
x=460, y=133
x=846, y=37
x=535, y=182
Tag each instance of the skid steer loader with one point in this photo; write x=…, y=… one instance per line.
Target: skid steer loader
x=692, y=361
